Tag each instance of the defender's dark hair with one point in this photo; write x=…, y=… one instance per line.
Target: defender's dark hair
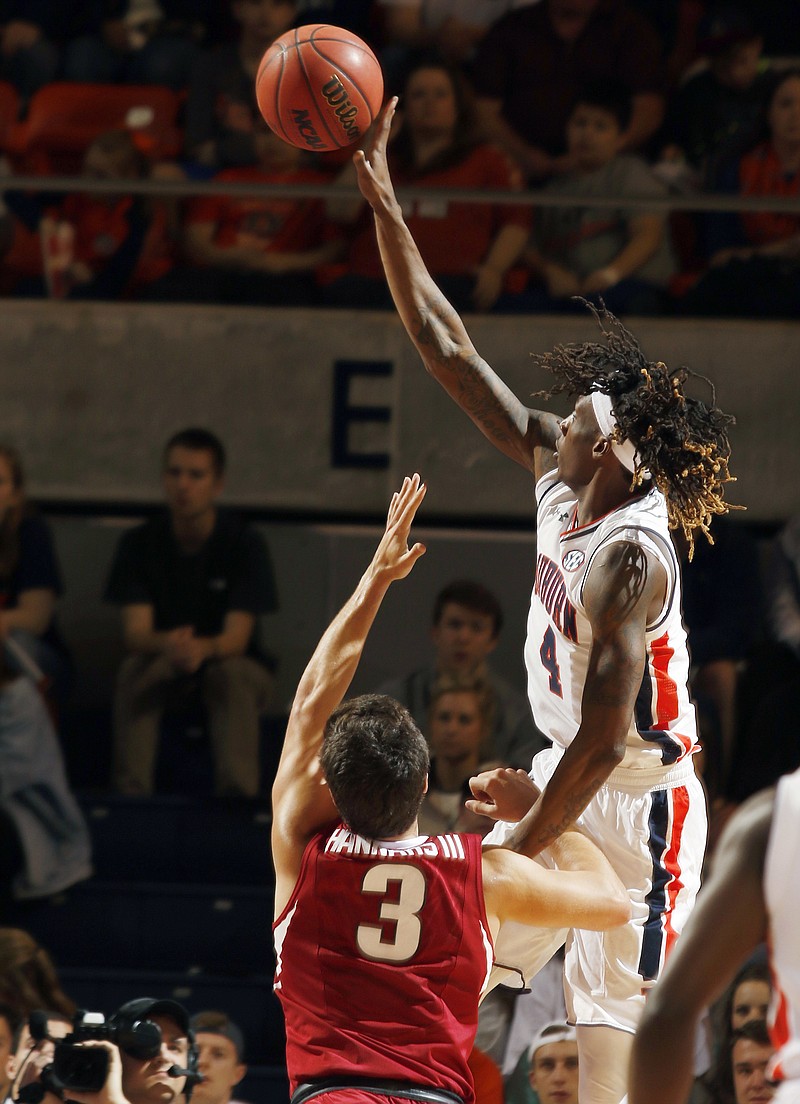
x=611, y=95
x=200, y=440
x=680, y=440
x=375, y=761
x=473, y=596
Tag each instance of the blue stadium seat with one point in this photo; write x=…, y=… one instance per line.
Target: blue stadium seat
x=206, y=840
x=213, y=928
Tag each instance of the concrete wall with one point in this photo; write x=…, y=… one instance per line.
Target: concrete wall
x=316, y=568
x=90, y=392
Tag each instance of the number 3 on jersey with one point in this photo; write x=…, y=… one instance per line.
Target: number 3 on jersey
x=547, y=654
x=404, y=944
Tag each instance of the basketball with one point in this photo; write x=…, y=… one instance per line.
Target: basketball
x=319, y=87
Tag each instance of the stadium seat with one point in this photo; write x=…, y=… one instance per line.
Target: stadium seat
x=208, y=841
x=64, y=117
x=205, y=928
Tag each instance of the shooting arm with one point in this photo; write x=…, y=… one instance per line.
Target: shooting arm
x=728, y=923
x=437, y=330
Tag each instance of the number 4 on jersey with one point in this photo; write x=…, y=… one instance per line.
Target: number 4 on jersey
x=547, y=654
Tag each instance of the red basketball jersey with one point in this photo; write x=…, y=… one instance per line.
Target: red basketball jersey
x=382, y=953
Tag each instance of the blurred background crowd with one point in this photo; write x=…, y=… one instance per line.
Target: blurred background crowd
x=633, y=110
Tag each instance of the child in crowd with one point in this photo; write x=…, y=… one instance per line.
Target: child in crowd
x=255, y=248
x=621, y=254
x=715, y=114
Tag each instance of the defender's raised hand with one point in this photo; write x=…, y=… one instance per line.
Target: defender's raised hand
x=393, y=555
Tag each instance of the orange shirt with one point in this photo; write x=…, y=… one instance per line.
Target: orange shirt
x=276, y=224
x=101, y=229
x=761, y=174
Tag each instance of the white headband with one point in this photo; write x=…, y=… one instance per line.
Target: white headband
x=624, y=451
x=551, y=1033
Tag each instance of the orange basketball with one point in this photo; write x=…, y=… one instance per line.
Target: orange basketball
x=319, y=87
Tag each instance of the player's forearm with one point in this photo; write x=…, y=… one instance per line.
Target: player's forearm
x=330, y=671
x=431, y=321
x=578, y=777
x=662, y=1074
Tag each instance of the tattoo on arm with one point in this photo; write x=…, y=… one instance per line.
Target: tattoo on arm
x=573, y=808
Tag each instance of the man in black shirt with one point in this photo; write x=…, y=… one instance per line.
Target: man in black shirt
x=190, y=583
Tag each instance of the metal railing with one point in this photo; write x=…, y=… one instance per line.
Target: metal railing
x=331, y=191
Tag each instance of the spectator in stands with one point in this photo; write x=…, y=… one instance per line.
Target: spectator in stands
x=453, y=28
x=715, y=115
x=105, y=246
x=29, y=53
x=354, y=15
x=755, y=257
x=255, y=249
x=466, y=624
x=28, y=978
x=742, y=1077
x=770, y=740
x=148, y=1080
x=44, y=841
x=138, y=42
x=191, y=583
x=532, y=63
x=552, y=1061
x=621, y=255
x=435, y=147
x=10, y=1024
x=221, y=110
x=34, y=1058
x=30, y=585
x=458, y=731
x=723, y=612
x=220, y=1057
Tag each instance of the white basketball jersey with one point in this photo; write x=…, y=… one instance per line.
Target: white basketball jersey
x=782, y=898
x=663, y=727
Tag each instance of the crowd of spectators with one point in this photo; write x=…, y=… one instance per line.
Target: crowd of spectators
x=592, y=100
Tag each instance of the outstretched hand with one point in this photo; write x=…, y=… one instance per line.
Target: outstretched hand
x=393, y=556
x=502, y=794
x=372, y=170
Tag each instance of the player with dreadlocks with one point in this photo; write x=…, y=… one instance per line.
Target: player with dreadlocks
x=606, y=650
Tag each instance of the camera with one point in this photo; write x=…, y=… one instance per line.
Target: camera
x=85, y=1068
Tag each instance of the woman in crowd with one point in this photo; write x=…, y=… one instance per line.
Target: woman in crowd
x=468, y=247
x=755, y=257
x=459, y=726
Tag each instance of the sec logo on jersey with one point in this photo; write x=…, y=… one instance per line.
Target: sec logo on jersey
x=573, y=559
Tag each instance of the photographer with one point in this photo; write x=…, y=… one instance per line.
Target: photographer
x=149, y=1050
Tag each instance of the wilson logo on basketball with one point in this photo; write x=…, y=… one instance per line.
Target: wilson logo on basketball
x=302, y=120
x=344, y=109
x=572, y=560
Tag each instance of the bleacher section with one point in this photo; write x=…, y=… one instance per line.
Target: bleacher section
x=180, y=906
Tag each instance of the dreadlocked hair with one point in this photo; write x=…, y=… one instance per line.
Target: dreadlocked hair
x=681, y=441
